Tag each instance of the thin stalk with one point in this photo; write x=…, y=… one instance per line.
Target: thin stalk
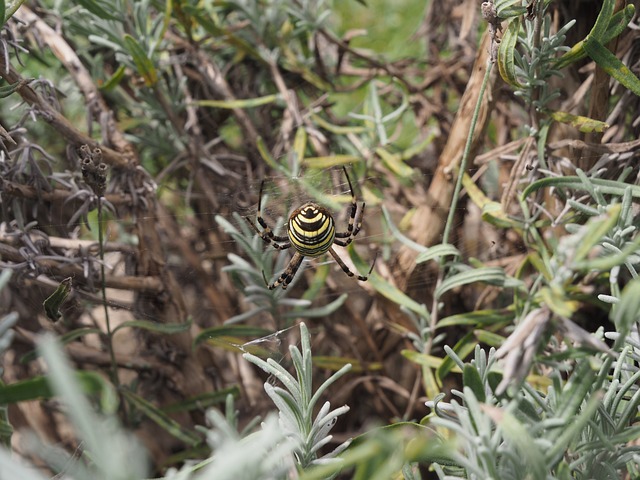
x=456, y=194
x=465, y=155
x=114, y=365
x=535, y=94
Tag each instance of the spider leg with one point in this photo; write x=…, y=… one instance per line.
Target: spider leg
x=278, y=242
x=352, y=215
x=346, y=270
x=355, y=222
x=350, y=234
x=285, y=278
x=267, y=230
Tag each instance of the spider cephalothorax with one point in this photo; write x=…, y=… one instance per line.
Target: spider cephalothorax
x=311, y=232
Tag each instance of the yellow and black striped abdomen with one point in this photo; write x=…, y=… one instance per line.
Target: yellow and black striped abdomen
x=311, y=230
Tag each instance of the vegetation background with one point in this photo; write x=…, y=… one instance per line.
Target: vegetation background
x=135, y=137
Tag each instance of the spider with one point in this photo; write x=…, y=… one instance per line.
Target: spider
x=311, y=232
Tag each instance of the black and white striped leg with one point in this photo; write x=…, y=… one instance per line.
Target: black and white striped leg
x=355, y=222
x=278, y=242
x=346, y=270
x=289, y=272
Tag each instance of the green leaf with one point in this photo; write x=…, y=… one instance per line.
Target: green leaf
x=518, y=434
x=616, y=26
x=471, y=379
x=2, y=13
x=217, y=31
x=240, y=103
x=430, y=361
x=331, y=161
x=115, y=79
x=506, y=53
x=336, y=363
x=319, y=311
x=143, y=63
x=38, y=388
x=574, y=424
x=300, y=144
x=491, y=275
x=337, y=129
x=231, y=331
x=607, y=187
x=609, y=261
x=35, y=388
x=393, y=161
x=583, y=124
x=402, y=238
x=161, y=419
x=478, y=318
x=396, y=295
x=510, y=8
x=602, y=21
x=594, y=230
x=53, y=303
x=555, y=298
x=492, y=212
x=627, y=311
x=202, y=401
x=100, y=8
x=438, y=251
x=463, y=348
x=489, y=338
x=166, y=328
x=64, y=339
x=611, y=64
x=266, y=156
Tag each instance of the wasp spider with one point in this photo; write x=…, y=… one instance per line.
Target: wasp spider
x=311, y=232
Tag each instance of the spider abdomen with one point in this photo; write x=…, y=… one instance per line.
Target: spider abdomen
x=311, y=230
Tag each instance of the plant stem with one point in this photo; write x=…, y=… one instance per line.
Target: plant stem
x=465, y=155
x=456, y=194
x=114, y=366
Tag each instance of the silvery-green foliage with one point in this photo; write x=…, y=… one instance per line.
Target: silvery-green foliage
x=105, y=450
x=534, y=63
x=285, y=443
x=296, y=402
x=578, y=426
x=265, y=453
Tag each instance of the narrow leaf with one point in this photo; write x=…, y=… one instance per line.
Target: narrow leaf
x=161, y=419
x=393, y=161
x=202, y=401
x=584, y=124
x=471, y=379
x=166, y=328
x=438, y=251
x=491, y=275
x=231, y=331
x=64, y=339
x=53, y=303
x=239, y=103
x=331, y=161
x=611, y=64
x=38, y=388
x=143, y=63
x=99, y=9
x=336, y=363
x=607, y=187
x=506, y=53
x=616, y=26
